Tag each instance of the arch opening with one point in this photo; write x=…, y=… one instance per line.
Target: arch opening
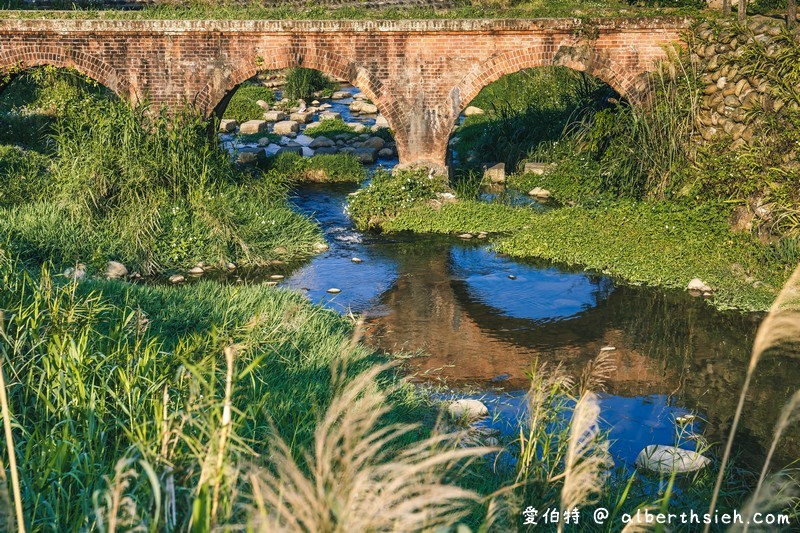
x=523, y=123
x=34, y=99
x=287, y=117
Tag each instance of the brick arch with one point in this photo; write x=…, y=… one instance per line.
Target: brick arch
x=298, y=56
x=88, y=65
x=620, y=78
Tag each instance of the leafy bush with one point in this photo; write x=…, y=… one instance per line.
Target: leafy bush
x=330, y=128
x=391, y=193
x=23, y=175
x=319, y=168
x=243, y=107
x=153, y=191
x=305, y=83
x=40, y=96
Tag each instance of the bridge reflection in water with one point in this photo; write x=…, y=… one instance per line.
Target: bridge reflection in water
x=673, y=354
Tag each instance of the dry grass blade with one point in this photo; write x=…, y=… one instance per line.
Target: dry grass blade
x=779, y=492
x=596, y=373
x=12, y=458
x=361, y=477
x=586, y=458
x=789, y=415
x=781, y=327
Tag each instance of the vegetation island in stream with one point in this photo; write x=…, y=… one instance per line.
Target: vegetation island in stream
x=261, y=321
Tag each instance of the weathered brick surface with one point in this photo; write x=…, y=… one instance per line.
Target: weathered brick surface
x=420, y=73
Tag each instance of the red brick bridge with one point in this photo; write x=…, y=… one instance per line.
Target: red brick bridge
x=420, y=73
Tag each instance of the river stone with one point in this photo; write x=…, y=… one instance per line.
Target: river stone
x=465, y=236
x=381, y=122
x=472, y=111
x=385, y=153
x=77, y=273
x=276, y=277
x=340, y=95
x=496, y=173
x=197, y=271
x=334, y=290
x=116, y=270
x=274, y=116
x=315, y=102
x=320, y=247
x=357, y=126
x=231, y=266
x=227, y=125
x=246, y=158
x=535, y=168
x=539, y=192
x=366, y=155
x=355, y=106
x=327, y=151
x=374, y=142
x=668, y=459
x=329, y=115
x=369, y=109
x=321, y=142
x=253, y=126
x=290, y=150
x=304, y=140
x=698, y=285
x=176, y=278
x=356, y=260
x=285, y=127
x=468, y=410
x=262, y=104
x=303, y=117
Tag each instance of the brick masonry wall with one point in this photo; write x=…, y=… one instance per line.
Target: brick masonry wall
x=420, y=73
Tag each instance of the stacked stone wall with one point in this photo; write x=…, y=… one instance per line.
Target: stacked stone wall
x=735, y=99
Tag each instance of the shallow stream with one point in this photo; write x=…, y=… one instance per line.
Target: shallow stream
x=482, y=320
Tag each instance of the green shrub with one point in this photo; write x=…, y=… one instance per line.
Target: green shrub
x=331, y=168
x=153, y=191
x=330, y=128
x=40, y=96
x=243, y=107
x=23, y=176
x=305, y=83
x=391, y=193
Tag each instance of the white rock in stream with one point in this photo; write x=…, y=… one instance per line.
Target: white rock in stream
x=699, y=285
x=467, y=410
x=666, y=459
x=77, y=272
x=116, y=270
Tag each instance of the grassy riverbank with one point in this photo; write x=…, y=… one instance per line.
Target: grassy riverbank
x=656, y=244
x=97, y=180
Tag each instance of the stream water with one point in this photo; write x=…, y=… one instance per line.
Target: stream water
x=482, y=320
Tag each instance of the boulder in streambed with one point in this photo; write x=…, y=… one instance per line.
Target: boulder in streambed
x=668, y=459
x=77, y=273
x=496, y=173
x=698, y=285
x=285, y=127
x=467, y=410
x=253, y=126
x=321, y=142
x=471, y=111
x=227, y=125
x=116, y=270
x=177, y=278
x=274, y=116
x=539, y=192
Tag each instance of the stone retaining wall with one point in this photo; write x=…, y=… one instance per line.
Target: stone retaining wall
x=733, y=100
